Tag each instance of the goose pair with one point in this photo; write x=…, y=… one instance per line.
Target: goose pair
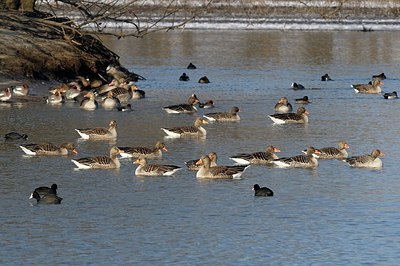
x=49, y=149
x=99, y=133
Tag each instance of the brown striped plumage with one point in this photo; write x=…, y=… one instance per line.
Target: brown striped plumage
x=48, y=149
x=144, y=152
x=99, y=162
x=183, y=108
x=232, y=115
x=265, y=157
x=217, y=172
x=368, y=161
x=99, y=132
x=145, y=169
x=305, y=161
x=335, y=153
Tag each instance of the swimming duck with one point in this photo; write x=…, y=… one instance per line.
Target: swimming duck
x=367, y=88
x=184, y=77
x=297, y=86
x=367, y=161
x=307, y=160
x=187, y=108
x=99, y=132
x=216, y=172
x=326, y=77
x=89, y=103
x=49, y=149
x=283, y=106
x=299, y=117
x=262, y=191
x=334, y=153
x=263, y=157
x=21, y=90
x=231, y=116
x=187, y=131
x=99, y=162
x=390, y=95
x=5, y=95
x=47, y=190
x=204, y=80
x=110, y=102
x=303, y=100
x=192, y=164
x=380, y=76
x=191, y=66
x=126, y=108
x=144, y=152
x=146, y=169
x=15, y=136
x=207, y=105
x=46, y=199
x=54, y=99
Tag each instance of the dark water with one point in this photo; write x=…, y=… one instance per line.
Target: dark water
x=330, y=215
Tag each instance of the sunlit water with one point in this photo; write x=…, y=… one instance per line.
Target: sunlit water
x=330, y=215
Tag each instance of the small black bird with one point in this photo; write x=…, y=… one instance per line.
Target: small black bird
x=262, y=191
x=184, y=77
x=204, y=80
x=325, y=77
x=381, y=76
x=191, y=66
x=390, y=95
x=15, y=136
x=47, y=199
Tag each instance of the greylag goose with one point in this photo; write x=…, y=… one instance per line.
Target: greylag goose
x=49, y=149
x=89, y=103
x=110, y=102
x=118, y=72
x=126, y=108
x=187, y=108
x=187, y=131
x=303, y=100
x=15, y=136
x=368, y=161
x=283, y=106
x=368, y=88
x=5, y=95
x=263, y=157
x=326, y=77
x=184, y=77
x=204, y=80
x=262, y=191
x=47, y=190
x=146, y=169
x=332, y=152
x=143, y=152
x=307, y=160
x=216, y=172
x=207, y=105
x=380, y=76
x=297, y=86
x=192, y=166
x=191, y=66
x=299, y=117
x=136, y=93
x=22, y=90
x=99, y=162
x=390, y=95
x=99, y=132
x=46, y=199
x=231, y=116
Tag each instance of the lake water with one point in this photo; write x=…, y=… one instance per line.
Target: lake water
x=330, y=215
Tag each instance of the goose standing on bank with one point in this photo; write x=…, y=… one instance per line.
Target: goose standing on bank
x=49, y=149
x=192, y=164
x=299, y=117
x=207, y=171
x=367, y=161
x=144, y=152
x=283, y=106
x=187, y=131
x=334, y=153
x=263, y=157
x=307, y=160
x=231, y=116
x=146, y=169
x=186, y=108
x=99, y=133
x=99, y=162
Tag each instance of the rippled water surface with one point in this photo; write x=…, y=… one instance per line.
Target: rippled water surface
x=330, y=215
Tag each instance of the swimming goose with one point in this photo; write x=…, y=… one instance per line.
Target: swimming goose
x=283, y=106
x=231, y=116
x=368, y=161
x=390, y=95
x=187, y=131
x=49, y=149
x=262, y=191
x=299, y=117
x=144, y=152
x=46, y=199
x=99, y=162
x=192, y=166
x=303, y=100
x=5, y=95
x=187, y=108
x=136, y=93
x=89, y=103
x=110, y=102
x=307, y=160
x=99, y=132
x=184, y=77
x=297, y=86
x=326, y=77
x=380, y=76
x=367, y=88
x=207, y=105
x=263, y=157
x=334, y=153
x=22, y=90
x=47, y=190
x=217, y=172
x=15, y=136
x=146, y=169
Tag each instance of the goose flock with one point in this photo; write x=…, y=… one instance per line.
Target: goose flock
x=122, y=89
